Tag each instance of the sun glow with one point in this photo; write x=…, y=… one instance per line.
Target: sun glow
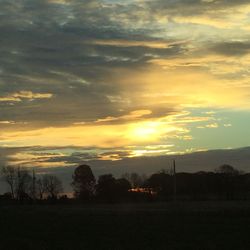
x=145, y=131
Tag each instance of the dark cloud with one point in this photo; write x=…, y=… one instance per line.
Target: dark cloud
x=232, y=48
x=5, y=154
x=173, y=8
x=67, y=155
x=200, y=161
x=46, y=47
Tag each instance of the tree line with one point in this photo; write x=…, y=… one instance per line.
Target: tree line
x=24, y=185
x=224, y=183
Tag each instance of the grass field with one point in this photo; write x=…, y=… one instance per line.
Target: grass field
x=198, y=225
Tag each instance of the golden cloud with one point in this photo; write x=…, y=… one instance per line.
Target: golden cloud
x=18, y=96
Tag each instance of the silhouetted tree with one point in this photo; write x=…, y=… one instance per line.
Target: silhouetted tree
x=105, y=188
x=135, y=179
x=83, y=182
x=41, y=187
x=121, y=189
x=225, y=183
x=9, y=174
x=23, y=184
x=227, y=170
x=162, y=183
x=228, y=181
x=110, y=189
x=34, y=186
x=6, y=197
x=52, y=185
x=19, y=181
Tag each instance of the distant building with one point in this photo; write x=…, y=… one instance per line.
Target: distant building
x=150, y=191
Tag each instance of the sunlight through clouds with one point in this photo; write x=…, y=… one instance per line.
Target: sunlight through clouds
x=121, y=77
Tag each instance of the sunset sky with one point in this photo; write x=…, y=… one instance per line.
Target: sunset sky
x=111, y=79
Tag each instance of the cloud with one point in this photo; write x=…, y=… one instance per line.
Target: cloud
x=25, y=95
x=64, y=166
x=67, y=50
x=232, y=48
x=194, y=7
x=132, y=116
x=211, y=125
x=114, y=74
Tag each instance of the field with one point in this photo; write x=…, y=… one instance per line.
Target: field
x=196, y=225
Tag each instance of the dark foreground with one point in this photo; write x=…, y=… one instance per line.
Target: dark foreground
x=224, y=225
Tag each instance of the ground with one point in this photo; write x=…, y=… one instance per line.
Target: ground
x=187, y=225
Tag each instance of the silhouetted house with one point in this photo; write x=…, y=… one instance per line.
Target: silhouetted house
x=150, y=191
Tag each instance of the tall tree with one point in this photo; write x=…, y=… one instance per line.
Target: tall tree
x=23, y=183
x=9, y=175
x=106, y=188
x=52, y=185
x=110, y=189
x=19, y=181
x=41, y=187
x=83, y=182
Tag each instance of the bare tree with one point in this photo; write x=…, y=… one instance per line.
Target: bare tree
x=9, y=174
x=52, y=185
x=23, y=183
x=135, y=179
x=34, y=186
x=41, y=188
x=19, y=181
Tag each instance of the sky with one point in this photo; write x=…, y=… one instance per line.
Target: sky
x=108, y=80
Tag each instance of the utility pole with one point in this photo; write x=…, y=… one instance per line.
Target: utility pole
x=19, y=187
x=174, y=177
x=33, y=185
